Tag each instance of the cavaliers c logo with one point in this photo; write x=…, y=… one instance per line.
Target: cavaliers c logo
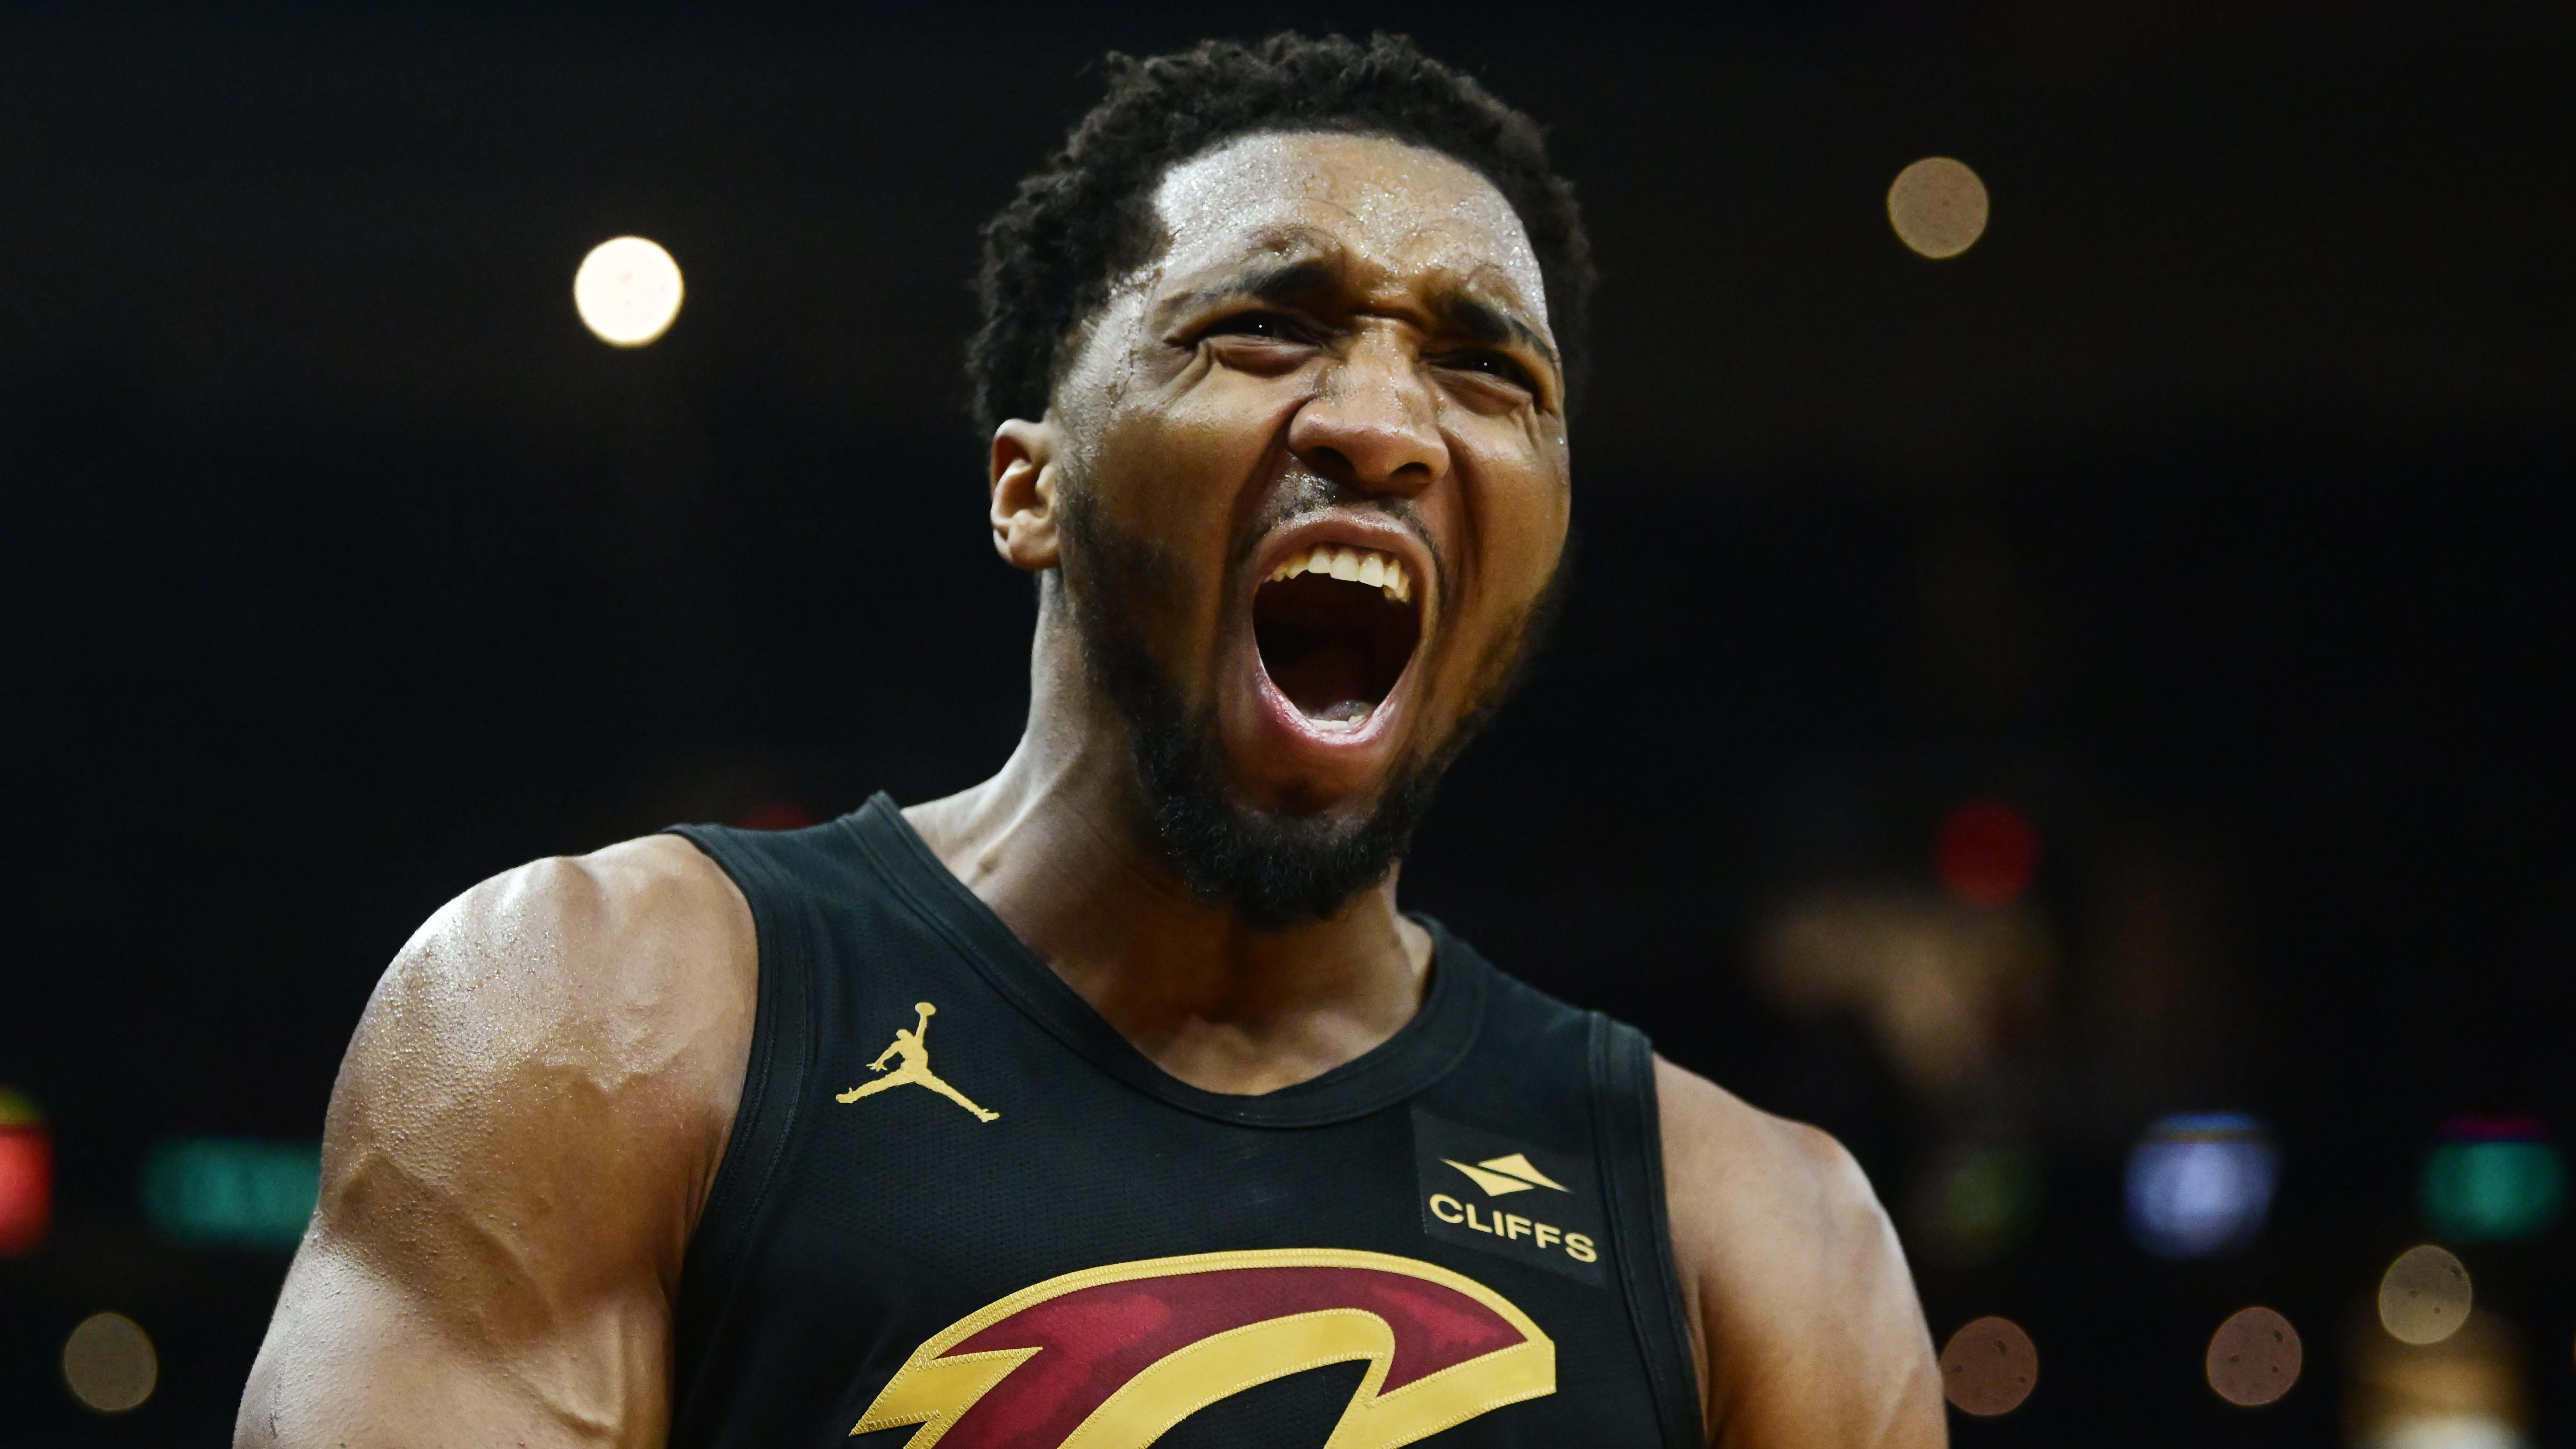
x=1109, y=1358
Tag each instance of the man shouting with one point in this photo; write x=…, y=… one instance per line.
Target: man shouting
x=1221, y=1148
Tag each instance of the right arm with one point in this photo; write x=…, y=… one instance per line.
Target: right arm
x=520, y=1141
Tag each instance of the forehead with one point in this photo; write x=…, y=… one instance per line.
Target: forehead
x=1411, y=217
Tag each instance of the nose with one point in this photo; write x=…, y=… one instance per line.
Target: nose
x=1374, y=424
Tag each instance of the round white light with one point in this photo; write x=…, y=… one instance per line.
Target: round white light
x=627, y=291
x=2425, y=1296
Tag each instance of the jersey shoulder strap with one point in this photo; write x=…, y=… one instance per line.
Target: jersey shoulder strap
x=781, y=875
x=1630, y=1134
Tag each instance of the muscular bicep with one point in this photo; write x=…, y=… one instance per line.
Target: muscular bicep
x=520, y=1138
x=355, y=1357
x=1804, y=1314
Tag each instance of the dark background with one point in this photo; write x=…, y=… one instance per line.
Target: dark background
x=2214, y=510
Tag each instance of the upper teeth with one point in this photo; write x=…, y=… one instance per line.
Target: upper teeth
x=1358, y=565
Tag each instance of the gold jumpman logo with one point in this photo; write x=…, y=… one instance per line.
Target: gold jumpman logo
x=915, y=1070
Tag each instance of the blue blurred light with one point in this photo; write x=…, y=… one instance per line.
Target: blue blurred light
x=2200, y=1184
x=232, y=1192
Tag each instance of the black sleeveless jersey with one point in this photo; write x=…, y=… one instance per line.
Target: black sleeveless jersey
x=959, y=1210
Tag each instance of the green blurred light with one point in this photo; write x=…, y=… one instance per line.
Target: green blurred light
x=1989, y=1197
x=2479, y=1191
x=17, y=1109
x=1975, y=1203
x=232, y=1192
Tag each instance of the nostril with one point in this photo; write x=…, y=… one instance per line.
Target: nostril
x=1333, y=463
x=1338, y=466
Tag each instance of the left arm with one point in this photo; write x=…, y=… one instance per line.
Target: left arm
x=1803, y=1317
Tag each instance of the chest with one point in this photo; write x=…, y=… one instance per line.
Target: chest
x=972, y=1238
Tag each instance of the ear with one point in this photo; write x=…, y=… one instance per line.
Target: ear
x=1024, y=475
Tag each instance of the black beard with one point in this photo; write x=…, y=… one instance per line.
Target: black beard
x=1275, y=869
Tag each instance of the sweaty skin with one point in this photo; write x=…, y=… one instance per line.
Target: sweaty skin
x=531, y=1114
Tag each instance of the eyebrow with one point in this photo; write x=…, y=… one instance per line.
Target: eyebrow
x=1284, y=285
x=1481, y=321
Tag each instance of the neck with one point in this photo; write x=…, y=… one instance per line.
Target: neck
x=1052, y=845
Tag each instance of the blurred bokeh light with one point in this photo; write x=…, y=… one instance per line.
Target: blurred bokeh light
x=2425, y=1295
x=26, y=1173
x=628, y=291
x=2200, y=1184
x=1938, y=983
x=2495, y=1180
x=1938, y=207
x=2254, y=1358
x=232, y=1192
x=1989, y=1367
x=775, y=815
x=109, y=1363
x=1973, y=1202
x=2465, y=1391
x=1988, y=853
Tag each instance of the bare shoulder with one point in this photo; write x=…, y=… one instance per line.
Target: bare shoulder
x=587, y=922
x=1746, y=1182
x=578, y=1019
x=521, y=1137
x=1803, y=1312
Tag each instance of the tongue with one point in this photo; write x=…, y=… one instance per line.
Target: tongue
x=1324, y=673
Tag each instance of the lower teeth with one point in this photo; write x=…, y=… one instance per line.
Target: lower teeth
x=1349, y=711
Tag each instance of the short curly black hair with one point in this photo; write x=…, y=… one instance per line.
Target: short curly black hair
x=1084, y=219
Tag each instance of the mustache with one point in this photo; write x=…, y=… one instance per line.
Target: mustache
x=1304, y=492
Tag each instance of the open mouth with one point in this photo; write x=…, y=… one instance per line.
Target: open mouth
x=1335, y=625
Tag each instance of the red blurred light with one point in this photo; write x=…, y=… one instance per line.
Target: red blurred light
x=777, y=815
x=1988, y=853
x=26, y=1188
x=2493, y=1129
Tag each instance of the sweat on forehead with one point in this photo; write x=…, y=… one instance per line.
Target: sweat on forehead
x=1379, y=204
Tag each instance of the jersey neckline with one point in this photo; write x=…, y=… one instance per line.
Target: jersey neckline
x=1421, y=1052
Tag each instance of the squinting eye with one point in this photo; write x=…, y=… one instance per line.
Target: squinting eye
x=1496, y=365
x=1257, y=324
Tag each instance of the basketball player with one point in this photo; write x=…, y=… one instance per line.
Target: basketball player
x=1214, y=1146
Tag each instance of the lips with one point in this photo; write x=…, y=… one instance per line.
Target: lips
x=1334, y=623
